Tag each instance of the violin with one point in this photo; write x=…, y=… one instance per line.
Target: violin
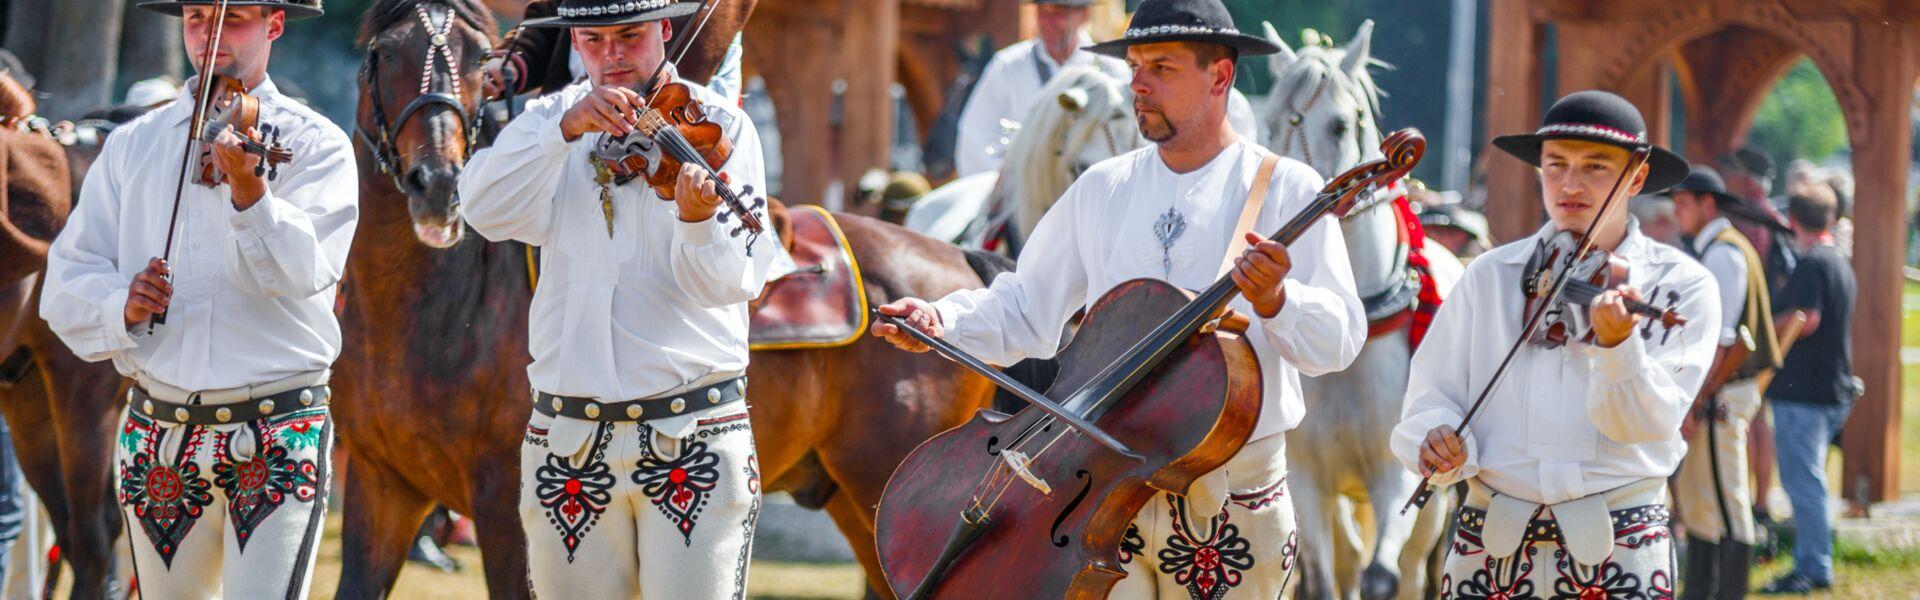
x=675, y=129
x=1587, y=277
x=230, y=107
x=1158, y=387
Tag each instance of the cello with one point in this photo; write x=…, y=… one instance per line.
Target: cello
x=1158, y=387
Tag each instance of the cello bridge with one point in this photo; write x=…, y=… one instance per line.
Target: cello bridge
x=1021, y=466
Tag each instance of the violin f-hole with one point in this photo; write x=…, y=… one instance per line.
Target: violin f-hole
x=1060, y=541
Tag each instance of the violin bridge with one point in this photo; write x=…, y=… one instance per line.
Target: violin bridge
x=1021, y=466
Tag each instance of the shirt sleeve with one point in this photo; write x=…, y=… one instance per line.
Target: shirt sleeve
x=1321, y=327
x=1641, y=389
x=85, y=298
x=507, y=189
x=710, y=258
x=1439, y=385
x=1729, y=269
x=1022, y=314
x=293, y=242
x=980, y=124
x=1804, y=289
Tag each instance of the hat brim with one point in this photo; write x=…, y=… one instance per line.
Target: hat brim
x=670, y=11
x=1664, y=168
x=1246, y=44
x=178, y=7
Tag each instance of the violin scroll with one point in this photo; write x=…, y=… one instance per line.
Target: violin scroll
x=1402, y=151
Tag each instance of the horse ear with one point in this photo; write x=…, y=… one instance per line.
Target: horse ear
x=1359, y=50
x=1279, y=61
x=1074, y=100
x=1309, y=37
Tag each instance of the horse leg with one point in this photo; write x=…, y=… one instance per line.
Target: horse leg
x=853, y=523
x=1316, y=512
x=496, y=521
x=1388, y=486
x=381, y=514
x=28, y=409
x=85, y=411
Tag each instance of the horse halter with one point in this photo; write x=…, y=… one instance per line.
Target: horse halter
x=1295, y=128
x=439, y=45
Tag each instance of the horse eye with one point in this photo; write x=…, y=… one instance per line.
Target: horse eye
x=1339, y=128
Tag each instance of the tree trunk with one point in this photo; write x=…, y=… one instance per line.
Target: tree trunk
x=149, y=47
x=87, y=52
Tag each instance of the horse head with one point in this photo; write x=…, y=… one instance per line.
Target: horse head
x=1084, y=116
x=420, y=91
x=1324, y=106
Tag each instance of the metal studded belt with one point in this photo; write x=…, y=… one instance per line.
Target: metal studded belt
x=647, y=409
x=237, y=412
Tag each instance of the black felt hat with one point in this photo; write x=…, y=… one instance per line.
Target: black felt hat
x=295, y=9
x=1602, y=117
x=602, y=13
x=1704, y=180
x=1184, y=21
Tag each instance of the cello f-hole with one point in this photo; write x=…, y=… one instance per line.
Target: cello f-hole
x=1060, y=541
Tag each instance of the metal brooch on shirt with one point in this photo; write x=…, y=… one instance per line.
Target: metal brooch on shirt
x=1168, y=228
x=604, y=177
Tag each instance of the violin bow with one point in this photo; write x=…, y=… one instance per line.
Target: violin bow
x=1424, y=492
x=200, y=106
x=680, y=45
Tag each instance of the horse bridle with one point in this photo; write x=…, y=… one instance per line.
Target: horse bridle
x=385, y=156
x=1296, y=124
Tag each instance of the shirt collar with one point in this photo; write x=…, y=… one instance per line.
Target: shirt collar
x=1633, y=248
x=182, y=106
x=1706, y=235
x=1079, y=56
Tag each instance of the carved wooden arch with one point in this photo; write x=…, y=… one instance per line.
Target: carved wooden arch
x=1653, y=40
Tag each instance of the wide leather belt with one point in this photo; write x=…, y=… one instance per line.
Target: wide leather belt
x=236, y=412
x=646, y=409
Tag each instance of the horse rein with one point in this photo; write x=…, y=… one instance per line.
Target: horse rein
x=1296, y=126
x=385, y=155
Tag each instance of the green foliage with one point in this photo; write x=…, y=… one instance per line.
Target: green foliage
x=1800, y=118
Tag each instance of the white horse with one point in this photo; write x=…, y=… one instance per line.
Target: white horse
x=1084, y=116
x=1323, y=111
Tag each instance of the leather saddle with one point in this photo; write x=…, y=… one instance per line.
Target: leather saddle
x=823, y=302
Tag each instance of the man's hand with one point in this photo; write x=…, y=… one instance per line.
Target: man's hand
x=1259, y=272
x=1442, y=451
x=149, y=293
x=494, y=72
x=915, y=312
x=694, y=192
x=607, y=108
x=231, y=157
x=1612, y=323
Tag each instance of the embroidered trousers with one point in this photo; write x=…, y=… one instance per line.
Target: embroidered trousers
x=231, y=510
x=1693, y=487
x=1641, y=564
x=1243, y=548
x=637, y=514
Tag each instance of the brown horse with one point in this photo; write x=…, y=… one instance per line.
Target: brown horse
x=62, y=410
x=433, y=391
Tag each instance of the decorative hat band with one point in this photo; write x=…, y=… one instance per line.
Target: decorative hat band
x=1595, y=131
x=1178, y=29
x=619, y=8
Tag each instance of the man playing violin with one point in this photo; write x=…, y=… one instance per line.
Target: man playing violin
x=1177, y=211
x=1567, y=463
x=224, y=450
x=637, y=469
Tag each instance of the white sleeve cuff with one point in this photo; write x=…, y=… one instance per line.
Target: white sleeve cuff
x=698, y=233
x=1620, y=363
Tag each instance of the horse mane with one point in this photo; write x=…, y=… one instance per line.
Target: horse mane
x=385, y=14
x=15, y=100
x=1039, y=157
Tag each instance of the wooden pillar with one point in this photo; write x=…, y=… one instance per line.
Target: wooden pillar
x=1885, y=69
x=787, y=38
x=870, y=42
x=1513, y=106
